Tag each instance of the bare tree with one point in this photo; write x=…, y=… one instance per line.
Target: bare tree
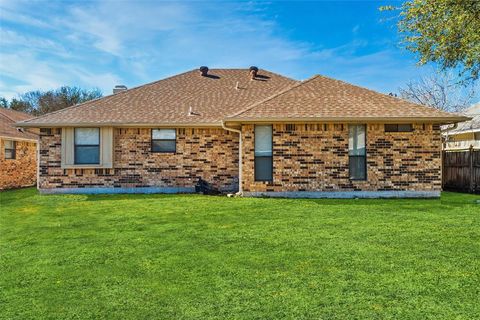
x=441, y=90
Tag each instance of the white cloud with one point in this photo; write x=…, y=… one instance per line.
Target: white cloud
x=100, y=44
x=31, y=74
x=93, y=27
x=34, y=44
x=355, y=29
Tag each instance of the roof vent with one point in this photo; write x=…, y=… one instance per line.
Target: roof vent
x=192, y=113
x=119, y=88
x=203, y=70
x=253, y=72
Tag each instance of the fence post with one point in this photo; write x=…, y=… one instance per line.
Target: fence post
x=470, y=156
x=442, y=167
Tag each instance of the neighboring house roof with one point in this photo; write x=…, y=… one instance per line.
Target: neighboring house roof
x=471, y=125
x=8, y=118
x=329, y=99
x=191, y=99
x=169, y=101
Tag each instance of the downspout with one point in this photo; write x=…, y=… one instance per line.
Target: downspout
x=455, y=125
x=38, y=163
x=240, y=189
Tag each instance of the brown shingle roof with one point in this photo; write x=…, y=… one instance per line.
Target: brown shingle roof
x=321, y=98
x=271, y=97
x=168, y=101
x=8, y=118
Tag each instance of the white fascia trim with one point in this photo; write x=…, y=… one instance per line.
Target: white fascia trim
x=120, y=125
x=18, y=139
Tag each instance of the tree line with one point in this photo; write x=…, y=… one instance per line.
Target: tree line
x=41, y=102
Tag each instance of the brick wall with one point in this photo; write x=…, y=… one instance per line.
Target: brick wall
x=21, y=171
x=308, y=158
x=311, y=158
x=210, y=153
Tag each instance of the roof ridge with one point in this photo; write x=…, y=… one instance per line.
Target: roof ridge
x=20, y=113
x=104, y=97
x=11, y=125
x=5, y=116
x=60, y=110
x=273, y=96
x=279, y=75
x=136, y=88
x=386, y=95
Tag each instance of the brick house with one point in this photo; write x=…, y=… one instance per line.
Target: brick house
x=245, y=130
x=18, y=151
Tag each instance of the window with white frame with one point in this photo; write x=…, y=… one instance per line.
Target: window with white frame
x=87, y=146
x=10, y=149
x=357, y=156
x=164, y=140
x=263, y=153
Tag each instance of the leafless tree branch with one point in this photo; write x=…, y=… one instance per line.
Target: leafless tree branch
x=440, y=90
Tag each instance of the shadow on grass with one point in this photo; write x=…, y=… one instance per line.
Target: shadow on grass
x=447, y=198
x=138, y=196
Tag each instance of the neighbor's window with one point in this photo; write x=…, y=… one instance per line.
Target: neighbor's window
x=164, y=140
x=398, y=128
x=10, y=149
x=87, y=146
x=357, y=156
x=263, y=153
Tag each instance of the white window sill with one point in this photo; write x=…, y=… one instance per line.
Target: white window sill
x=85, y=166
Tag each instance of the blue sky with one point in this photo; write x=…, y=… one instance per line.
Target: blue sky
x=44, y=45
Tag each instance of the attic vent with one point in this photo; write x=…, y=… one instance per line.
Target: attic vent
x=290, y=127
x=119, y=88
x=203, y=70
x=253, y=72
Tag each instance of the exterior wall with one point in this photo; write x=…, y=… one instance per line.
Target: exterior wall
x=462, y=141
x=462, y=136
x=308, y=158
x=21, y=171
x=312, y=159
x=210, y=154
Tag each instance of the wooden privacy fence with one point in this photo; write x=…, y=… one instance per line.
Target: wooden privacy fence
x=461, y=170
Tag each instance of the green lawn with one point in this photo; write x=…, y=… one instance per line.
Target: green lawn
x=202, y=257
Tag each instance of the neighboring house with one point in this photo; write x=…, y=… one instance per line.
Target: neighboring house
x=257, y=132
x=464, y=134
x=18, y=151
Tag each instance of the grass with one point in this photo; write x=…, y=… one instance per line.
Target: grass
x=201, y=257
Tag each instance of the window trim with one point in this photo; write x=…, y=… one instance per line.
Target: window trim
x=365, y=178
x=397, y=128
x=255, y=157
x=13, y=150
x=86, y=145
x=152, y=140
